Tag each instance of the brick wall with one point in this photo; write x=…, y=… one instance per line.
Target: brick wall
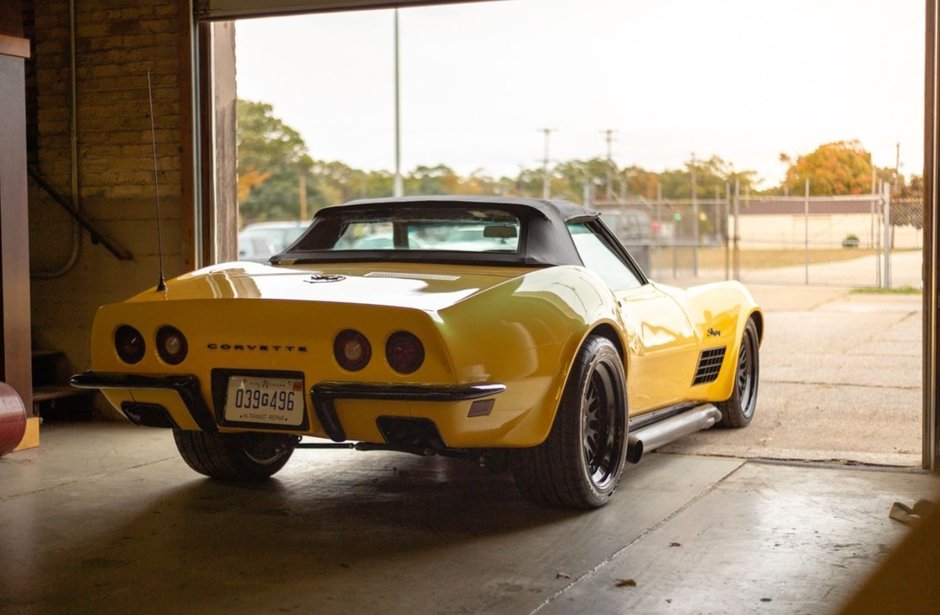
x=117, y=41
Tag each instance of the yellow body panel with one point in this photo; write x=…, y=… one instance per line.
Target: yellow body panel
x=520, y=327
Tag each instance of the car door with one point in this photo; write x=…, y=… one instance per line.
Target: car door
x=661, y=345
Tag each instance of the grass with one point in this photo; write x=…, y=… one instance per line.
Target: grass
x=714, y=257
x=901, y=290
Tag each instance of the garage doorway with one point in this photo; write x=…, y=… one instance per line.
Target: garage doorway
x=868, y=383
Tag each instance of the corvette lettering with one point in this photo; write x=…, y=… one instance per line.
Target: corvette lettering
x=258, y=347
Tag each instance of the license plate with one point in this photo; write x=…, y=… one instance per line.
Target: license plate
x=268, y=401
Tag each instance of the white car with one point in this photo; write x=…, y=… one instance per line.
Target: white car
x=260, y=241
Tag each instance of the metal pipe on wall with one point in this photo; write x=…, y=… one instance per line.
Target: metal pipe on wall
x=76, y=243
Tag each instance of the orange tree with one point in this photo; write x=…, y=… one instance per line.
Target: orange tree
x=842, y=167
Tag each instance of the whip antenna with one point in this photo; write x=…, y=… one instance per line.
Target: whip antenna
x=161, y=286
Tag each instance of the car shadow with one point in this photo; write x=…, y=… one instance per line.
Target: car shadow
x=313, y=529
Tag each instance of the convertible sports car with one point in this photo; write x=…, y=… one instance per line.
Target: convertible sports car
x=517, y=332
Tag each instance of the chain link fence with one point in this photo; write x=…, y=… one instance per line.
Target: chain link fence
x=860, y=240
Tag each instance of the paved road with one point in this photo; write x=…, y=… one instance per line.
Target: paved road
x=840, y=380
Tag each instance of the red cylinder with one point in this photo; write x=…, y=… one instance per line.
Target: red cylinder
x=12, y=419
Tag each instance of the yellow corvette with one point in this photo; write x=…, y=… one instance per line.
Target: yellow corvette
x=517, y=332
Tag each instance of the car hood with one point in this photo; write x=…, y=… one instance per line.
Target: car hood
x=425, y=287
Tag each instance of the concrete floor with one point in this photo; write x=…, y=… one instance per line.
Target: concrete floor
x=105, y=518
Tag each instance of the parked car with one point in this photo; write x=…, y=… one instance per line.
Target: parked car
x=512, y=331
x=260, y=241
x=634, y=228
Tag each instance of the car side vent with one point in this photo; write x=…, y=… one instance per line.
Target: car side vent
x=709, y=365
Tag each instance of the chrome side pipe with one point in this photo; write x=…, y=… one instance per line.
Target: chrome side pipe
x=665, y=431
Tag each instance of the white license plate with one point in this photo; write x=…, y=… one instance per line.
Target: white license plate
x=269, y=401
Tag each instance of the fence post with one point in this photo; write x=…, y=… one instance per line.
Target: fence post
x=806, y=232
x=886, y=199
x=871, y=235
x=658, y=240
x=737, y=227
x=621, y=210
x=724, y=218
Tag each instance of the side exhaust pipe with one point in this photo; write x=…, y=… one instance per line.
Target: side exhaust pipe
x=665, y=431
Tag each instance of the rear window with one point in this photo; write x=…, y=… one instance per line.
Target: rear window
x=469, y=230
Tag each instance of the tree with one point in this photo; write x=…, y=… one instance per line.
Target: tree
x=640, y=182
x=842, y=167
x=576, y=173
x=439, y=179
x=248, y=181
x=271, y=157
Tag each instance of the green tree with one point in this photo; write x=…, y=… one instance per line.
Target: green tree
x=842, y=167
x=269, y=149
x=272, y=156
x=710, y=175
x=477, y=184
x=336, y=182
x=575, y=174
x=439, y=179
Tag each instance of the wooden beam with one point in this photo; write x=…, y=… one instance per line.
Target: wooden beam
x=14, y=46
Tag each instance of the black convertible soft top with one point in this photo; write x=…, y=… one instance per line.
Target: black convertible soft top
x=545, y=240
x=566, y=210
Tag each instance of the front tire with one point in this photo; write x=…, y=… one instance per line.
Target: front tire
x=580, y=463
x=242, y=457
x=738, y=410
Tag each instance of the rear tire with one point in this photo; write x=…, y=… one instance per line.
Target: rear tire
x=242, y=457
x=580, y=463
x=738, y=410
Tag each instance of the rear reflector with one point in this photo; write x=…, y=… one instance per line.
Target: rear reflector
x=481, y=407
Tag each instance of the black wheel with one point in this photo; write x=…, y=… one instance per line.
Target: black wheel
x=246, y=456
x=580, y=463
x=738, y=410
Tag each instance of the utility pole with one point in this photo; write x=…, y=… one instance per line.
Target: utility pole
x=398, y=188
x=897, y=164
x=694, y=219
x=546, y=180
x=609, y=136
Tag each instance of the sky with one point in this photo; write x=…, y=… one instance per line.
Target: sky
x=739, y=79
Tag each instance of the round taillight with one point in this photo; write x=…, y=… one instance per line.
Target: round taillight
x=404, y=352
x=171, y=345
x=352, y=350
x=129, y=344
